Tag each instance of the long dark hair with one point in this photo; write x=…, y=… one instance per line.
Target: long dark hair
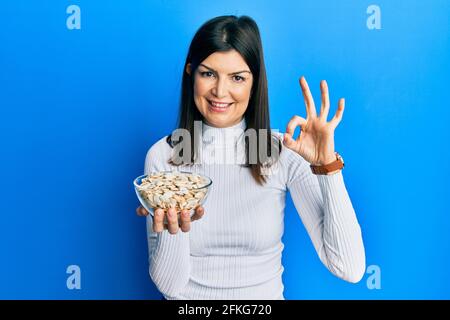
x=222, y=34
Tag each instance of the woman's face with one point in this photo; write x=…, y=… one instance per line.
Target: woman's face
x=225, y=78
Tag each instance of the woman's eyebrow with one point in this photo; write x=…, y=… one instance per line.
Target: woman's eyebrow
x=228, y=74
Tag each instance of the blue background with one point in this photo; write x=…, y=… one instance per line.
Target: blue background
x=80, y=108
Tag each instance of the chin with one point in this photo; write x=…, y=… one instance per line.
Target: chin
x=221, y=118
x=218, y=122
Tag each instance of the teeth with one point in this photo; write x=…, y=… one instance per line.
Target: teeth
x=220, y=105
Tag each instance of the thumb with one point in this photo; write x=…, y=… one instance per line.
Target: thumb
x=288, y=141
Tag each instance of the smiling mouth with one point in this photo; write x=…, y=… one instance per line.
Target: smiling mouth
x=218, y=107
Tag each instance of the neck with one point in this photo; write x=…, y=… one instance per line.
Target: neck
x=227, y=136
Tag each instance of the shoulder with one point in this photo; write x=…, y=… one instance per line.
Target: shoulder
x=160, y=146
x=158, y=154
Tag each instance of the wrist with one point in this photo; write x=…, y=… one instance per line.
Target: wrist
x=325, y=160
x=330, y=167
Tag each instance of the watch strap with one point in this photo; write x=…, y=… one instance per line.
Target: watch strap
x=338, y=164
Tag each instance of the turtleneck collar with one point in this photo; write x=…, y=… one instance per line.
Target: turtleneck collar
x=223, y=137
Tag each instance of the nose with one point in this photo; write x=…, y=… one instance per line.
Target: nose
x=220, y=89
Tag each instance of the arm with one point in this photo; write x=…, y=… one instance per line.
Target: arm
x=169, y=255
x=326, y=211
x=322, y=201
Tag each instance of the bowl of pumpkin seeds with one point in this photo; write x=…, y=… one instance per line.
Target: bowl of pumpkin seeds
x=172, y=189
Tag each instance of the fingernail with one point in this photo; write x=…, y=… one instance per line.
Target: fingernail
x=171, y=212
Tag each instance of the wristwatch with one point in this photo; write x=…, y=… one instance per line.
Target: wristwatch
x=330, y=167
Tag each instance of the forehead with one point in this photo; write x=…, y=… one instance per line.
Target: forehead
x=226, y=62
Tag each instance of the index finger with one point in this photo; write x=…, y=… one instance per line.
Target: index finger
x=158, y=220
x=309, y=101
x=185, y=220
x=293, y=123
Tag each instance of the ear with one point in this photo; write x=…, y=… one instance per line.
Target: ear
x=188, y=68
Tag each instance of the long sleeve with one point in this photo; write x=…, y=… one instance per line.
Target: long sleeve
x=325, y=209
x=235, y=250
x=169, y=264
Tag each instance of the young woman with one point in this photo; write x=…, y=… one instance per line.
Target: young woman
x=234, y=249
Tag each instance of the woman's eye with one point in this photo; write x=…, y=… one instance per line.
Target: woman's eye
x=206, y=73
x=209, y=74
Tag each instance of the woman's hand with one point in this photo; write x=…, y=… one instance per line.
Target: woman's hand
x=172, y=219
x=316, y=140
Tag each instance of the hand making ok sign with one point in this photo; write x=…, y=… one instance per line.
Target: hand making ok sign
x=316, y=140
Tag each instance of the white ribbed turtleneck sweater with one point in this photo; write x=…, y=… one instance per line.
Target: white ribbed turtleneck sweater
x=234, y=251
